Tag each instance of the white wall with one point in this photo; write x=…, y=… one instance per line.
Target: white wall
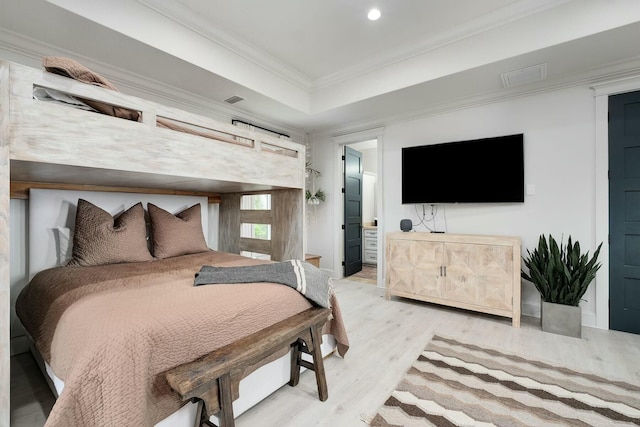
x=369, y=172
x=320, y=227
x=368, y=197
x=559, y=134
x=370, y=160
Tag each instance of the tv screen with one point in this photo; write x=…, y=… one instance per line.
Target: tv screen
x=488, y=170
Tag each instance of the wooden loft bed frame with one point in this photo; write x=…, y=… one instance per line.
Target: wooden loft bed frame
x=46, y=145
x=57, y=146
x=69, y=140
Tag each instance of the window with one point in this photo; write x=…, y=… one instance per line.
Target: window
x=256, y=202
x=255, y=255
x=255, y=227
x=256, y=231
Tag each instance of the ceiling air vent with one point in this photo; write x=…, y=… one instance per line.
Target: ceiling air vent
x=535, y=73
x=234, y=99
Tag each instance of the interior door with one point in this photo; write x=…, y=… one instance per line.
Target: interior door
x=352, y=211
x=624, y=212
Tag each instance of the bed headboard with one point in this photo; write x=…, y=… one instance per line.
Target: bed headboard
x=50, y=209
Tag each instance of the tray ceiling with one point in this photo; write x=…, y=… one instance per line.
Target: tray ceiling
x=313, y=65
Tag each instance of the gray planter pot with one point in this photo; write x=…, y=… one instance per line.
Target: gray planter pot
x=561, y=319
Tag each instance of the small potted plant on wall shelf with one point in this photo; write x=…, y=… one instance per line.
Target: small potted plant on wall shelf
x=315, y=198
x=562, y=275
x=312, y=196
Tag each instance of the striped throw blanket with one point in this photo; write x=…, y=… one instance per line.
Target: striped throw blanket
x=306, y=278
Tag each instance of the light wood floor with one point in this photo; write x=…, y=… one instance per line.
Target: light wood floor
x=385, y=337
x=368, y=274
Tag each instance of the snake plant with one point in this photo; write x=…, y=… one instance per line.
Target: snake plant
x=560, y=273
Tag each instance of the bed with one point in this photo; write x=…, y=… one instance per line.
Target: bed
x=48, y=145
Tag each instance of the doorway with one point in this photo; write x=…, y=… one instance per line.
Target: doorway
x=377, y=135
x=360, y=166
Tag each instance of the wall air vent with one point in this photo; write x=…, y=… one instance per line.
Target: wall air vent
x=535, y=73
x=234, y=99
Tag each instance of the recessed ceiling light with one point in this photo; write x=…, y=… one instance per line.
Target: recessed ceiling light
x=374, y=14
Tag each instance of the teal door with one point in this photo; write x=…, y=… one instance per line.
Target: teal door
x=352, y=211
x=624, y=212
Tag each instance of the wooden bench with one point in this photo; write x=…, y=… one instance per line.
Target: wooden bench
x=213, y=380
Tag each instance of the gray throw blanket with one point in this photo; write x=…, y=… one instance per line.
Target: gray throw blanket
x=306, y=278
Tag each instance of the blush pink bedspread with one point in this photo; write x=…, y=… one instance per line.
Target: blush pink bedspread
x=110, y=332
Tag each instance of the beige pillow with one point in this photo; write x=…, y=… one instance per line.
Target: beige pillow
x=178, y=234
x=100, y=238
x=69, y=68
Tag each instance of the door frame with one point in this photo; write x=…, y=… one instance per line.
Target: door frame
x=602, y=91
x=338, y=144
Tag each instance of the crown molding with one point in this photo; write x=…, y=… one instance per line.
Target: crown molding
x=30, y=52
x=23, y=47
x=615, y=85
x=623, y=75
x=186, y=17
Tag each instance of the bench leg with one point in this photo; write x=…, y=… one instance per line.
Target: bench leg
x=202, y=419
x=318, y=363
x=296, y=356
x=200, y=414
x=314, y=349
x=226, y=401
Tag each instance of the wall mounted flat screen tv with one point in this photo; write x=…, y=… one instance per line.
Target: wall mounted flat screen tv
x=488, y=170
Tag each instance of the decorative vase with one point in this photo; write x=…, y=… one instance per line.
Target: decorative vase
x=561, y=319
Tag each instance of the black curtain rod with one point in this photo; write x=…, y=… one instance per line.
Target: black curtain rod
x=234, y=121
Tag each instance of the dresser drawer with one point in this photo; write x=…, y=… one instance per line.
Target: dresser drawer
x=370, y=244
x=372, y=234
x=370, y=257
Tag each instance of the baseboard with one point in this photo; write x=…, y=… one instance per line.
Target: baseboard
x=330, y=272
x=19, y=345
x=530, y=309
x=588, y=319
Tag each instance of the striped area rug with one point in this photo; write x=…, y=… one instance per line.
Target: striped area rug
x=457, y=384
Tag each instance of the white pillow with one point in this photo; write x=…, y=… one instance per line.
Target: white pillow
x=64, y=245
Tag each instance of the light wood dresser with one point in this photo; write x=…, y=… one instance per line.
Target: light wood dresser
x=473, y=272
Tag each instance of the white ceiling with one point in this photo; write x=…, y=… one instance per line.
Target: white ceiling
x=314, y=65
x=320, y=39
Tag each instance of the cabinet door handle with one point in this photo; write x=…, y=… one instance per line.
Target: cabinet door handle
x=445, y=271
x=441, y=271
